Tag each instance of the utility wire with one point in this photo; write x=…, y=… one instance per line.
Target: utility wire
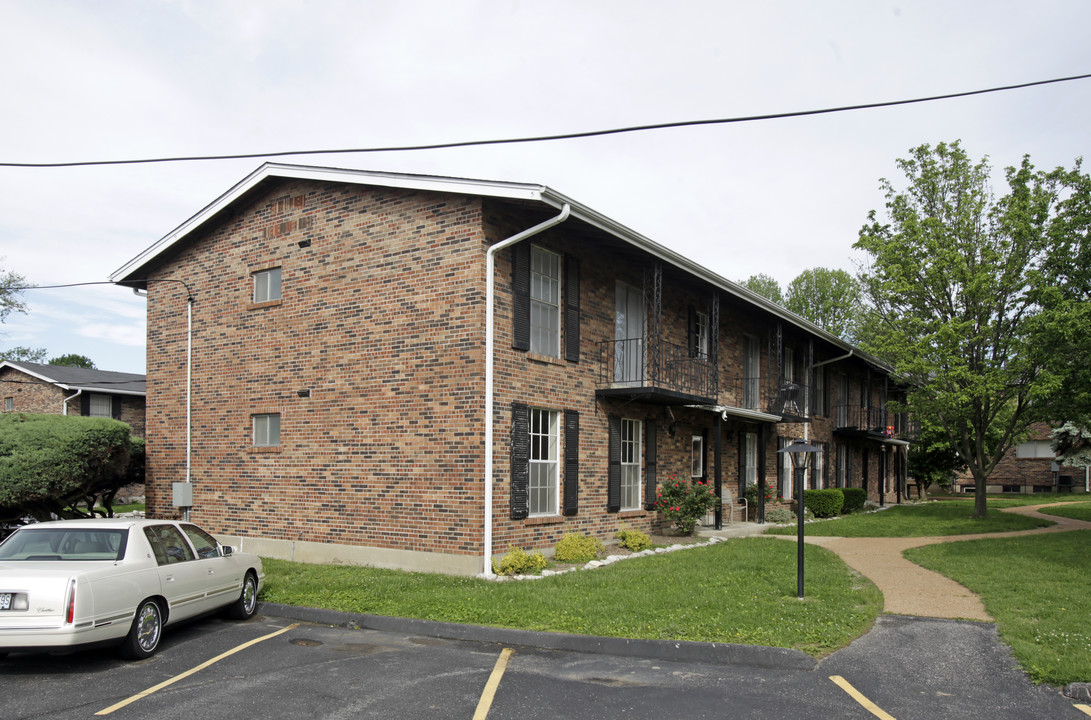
x=546, y=138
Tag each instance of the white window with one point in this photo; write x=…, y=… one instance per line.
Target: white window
x=631, y=459
x=751, y=459
x=819, y=394
x=101, y=406
x=787, y=480
x=544, y=466
x=267, y=429
x=702, y=339
x=545, y=302
x=789, y=365
x=697, y=457
x=818, y=468
x=1035, y=449
x=267, y=285
x=9, y=403
x=842, y=465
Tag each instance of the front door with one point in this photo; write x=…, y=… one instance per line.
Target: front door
x=629, y=334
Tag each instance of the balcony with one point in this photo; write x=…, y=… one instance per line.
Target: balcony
x=873, y=423
x=786, y=399
x=655, y=371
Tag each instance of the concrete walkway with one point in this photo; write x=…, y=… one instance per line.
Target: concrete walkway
x=909, y=589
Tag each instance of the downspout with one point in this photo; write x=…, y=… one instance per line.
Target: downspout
x=490, y=293
x=64, y=403
x=189, y=394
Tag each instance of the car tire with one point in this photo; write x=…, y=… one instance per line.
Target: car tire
x=244, y=607
x=143, y=638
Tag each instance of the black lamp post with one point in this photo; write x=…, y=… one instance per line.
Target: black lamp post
x=800, y=452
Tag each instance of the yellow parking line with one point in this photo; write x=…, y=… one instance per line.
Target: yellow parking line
x=485, y=703
x=1085, y=709
x=187, y=673
x=859, y=697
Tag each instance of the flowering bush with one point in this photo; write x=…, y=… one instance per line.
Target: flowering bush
x=684, y=502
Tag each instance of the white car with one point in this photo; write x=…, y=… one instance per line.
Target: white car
x=92, y=582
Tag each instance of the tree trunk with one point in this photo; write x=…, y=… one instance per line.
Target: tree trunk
x=981, y=508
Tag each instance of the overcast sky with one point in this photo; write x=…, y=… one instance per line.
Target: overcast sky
x=109, y=80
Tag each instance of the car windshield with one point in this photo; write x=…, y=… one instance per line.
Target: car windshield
x=61, y=543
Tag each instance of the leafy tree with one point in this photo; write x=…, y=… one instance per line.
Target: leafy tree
x=24, y=354
x=1072, y=444
x=73, y=360
x=50, y=464
x=955, y=279
x=765, y=286
x=830, y=298
x=933, y=460
x=11, y=285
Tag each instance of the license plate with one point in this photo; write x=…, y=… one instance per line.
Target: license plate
x=5, y=601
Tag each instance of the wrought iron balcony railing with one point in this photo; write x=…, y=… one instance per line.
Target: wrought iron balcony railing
x=658, y=366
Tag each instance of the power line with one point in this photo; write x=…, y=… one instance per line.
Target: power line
x=547, y=138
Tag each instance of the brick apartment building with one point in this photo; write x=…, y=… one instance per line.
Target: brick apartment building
x=1028, y=468
x=27, y=387
x=343, y=406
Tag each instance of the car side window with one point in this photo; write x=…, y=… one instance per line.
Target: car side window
x=168, y=544
x=203, y=543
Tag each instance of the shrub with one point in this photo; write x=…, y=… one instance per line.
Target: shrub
x=633, y=539
x=517, y=562
x=854, y=499
x=684, y=502
x=824, y=503
x=780, y=515
x=576, y=548
x=751, y=494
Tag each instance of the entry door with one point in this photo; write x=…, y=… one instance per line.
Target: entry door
x=629, y=333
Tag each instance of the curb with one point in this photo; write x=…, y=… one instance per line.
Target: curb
x=666, y=650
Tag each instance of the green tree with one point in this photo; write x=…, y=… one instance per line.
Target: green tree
x=51, y=464
x=24, y=354
x=73, y=360
x=11, y=285
x=765, y=286
x=828, y=297
x=954, y=281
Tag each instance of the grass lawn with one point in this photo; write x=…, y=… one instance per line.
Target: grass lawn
x=950, y=517
x=742, y=591
x=1003, y=501
x=1037, y=589
x=1079, y=511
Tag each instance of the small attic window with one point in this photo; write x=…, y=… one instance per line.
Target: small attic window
x=267, y=285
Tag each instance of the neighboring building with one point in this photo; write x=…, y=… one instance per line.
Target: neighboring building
x=344, y=407
x=1029, y=468
x=62, y=390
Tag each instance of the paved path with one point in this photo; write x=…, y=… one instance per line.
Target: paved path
x=909, y=589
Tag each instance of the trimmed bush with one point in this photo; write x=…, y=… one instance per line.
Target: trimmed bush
x=824, y=503
x=780, y=515
x=516, y=561
x=633, y=539
x=854, y=499
x=577, y=548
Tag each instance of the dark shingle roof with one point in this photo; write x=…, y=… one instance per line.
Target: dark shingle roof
x=77, y=378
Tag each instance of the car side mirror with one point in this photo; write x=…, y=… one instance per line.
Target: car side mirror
x=226, y=550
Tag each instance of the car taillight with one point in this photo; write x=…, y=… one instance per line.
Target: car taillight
x=70, y=613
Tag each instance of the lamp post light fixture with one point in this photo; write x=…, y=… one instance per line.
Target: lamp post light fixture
x=800, y=451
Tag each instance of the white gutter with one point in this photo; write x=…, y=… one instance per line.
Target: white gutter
x=490, y=361
x=64, y=403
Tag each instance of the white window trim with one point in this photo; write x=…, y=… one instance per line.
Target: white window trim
x=551, y=465
x=103, y=402
x=265, y=289
x=266, y=429
x=703, y=335
x=553, y=305
x=697, y=456
x=632, y=459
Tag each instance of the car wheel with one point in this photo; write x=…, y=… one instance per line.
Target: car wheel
x=143, y=638
x=247, y=603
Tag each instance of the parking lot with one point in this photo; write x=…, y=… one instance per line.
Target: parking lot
x=281, y=667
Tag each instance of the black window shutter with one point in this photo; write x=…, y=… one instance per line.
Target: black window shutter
x=613, y=471
x=520, y=460
x=650, y=480
x=115, y=410
x=692, y=332
x=85, y=404
x=520, y=281
x=572, y=309
x=571, y=462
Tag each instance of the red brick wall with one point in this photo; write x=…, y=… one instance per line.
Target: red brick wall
x=34, y=396
x=382, y=321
